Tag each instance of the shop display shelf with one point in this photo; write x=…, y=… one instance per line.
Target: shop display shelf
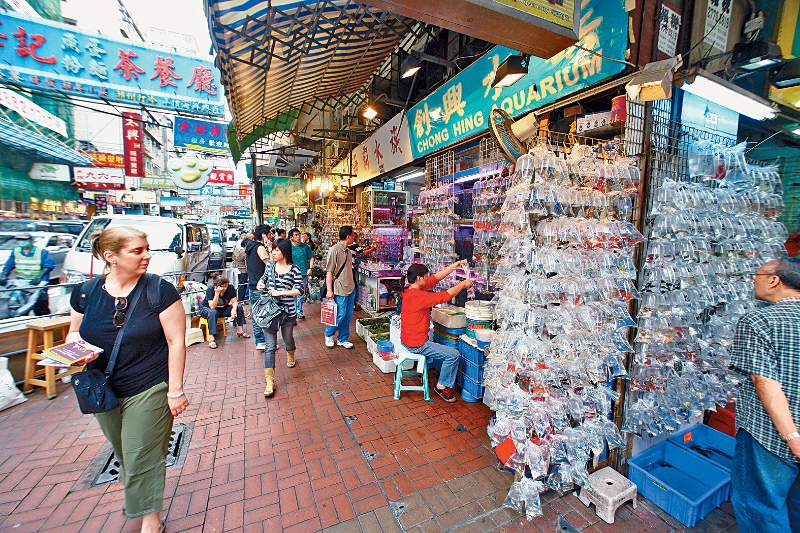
x=685, y=485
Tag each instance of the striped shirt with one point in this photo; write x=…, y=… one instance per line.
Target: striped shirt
x=767, y=343
x=286, y=282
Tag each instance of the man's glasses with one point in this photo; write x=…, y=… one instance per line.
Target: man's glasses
x=120, y=307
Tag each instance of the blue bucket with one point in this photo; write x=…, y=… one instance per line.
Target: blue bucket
x=385, y=346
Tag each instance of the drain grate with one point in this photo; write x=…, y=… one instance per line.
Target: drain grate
x=351, y=419
x=178, y=444
x=398, y=508
x=369, y=455
x=335, y=393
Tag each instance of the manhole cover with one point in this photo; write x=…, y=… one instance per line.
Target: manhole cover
x=178, y=444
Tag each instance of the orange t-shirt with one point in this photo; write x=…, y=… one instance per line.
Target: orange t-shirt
x=415, y=314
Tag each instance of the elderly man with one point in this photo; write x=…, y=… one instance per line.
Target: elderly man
x=766, y=348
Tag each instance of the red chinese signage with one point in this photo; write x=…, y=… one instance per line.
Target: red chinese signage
x=102, y=159
x=224, y=177
x=99, y=178
x=133, y=142
x=245, y=190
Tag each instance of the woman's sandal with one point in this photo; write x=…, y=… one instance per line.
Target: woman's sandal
x=212, y=345
x=243, y=335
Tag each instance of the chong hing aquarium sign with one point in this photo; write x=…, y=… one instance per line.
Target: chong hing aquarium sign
x=50, y=56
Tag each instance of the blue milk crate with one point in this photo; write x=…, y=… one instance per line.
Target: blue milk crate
x=472, y=391
x=470, y=352
x=470, y=369
x=682, y=483
x=709, y=443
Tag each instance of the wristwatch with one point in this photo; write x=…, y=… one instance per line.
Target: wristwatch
x=790, y=436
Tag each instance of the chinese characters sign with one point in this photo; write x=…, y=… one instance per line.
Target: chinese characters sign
x=99, y=178
x=460, y=108
x=21, y=105
x=557, y=12
x=48, y=55
x=133, y=143
x=224, y=177
x=668, y=29
x=201, y=135
x=102, y=159
x=718, y=20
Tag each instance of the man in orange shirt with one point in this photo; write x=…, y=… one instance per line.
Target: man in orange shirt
x=415, y=321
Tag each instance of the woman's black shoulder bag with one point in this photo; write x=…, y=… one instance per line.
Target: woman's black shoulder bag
x=91, y=386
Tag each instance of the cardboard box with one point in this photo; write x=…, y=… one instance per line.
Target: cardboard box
x=449, y=317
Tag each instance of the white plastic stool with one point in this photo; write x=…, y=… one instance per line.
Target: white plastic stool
x=609, y=491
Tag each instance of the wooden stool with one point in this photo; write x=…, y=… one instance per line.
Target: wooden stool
x=203, y=324
x=33, y=375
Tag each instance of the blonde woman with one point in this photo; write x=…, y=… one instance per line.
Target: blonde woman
x=148, y=375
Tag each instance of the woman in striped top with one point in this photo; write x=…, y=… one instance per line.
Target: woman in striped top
x=283, y=282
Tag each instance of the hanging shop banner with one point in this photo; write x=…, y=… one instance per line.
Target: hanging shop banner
x=51, y=56
x=156, y=183
x=137, y=197
x=668, y=29
x=189, y=172
x=173, y=201
x=24, y=107
x=133, y=144
x=386, y=149
x=48, y=172
x=201, y=135
x=460, y=108
x=558, y=12
x=284, y=191
x=102, y=159
x=223, y=177
x=245, y=190
x=99, y=178
x=718, y=21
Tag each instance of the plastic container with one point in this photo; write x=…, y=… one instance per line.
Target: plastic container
x=682, y=483
x=471, y=388
x=470, y=352
x=473, y=370
x=384, y=346
x=723, y=419
x=708, y=443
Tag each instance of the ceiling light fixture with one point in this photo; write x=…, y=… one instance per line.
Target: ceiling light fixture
x=413, y=63
x=511, y=70
x=788, y=75
x=370, y=112
x=756, y=55
x=410, y=176
x=722, y=92
x=797, y=131
x=409, y=67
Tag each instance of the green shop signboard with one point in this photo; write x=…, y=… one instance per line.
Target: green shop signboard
x=460, y=108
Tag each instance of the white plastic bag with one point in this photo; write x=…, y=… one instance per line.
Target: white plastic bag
x=10, y=395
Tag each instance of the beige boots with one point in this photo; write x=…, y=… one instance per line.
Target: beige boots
x=290, y=362
x=269, y=377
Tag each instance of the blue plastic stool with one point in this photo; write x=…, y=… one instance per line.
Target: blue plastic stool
x=421, y=372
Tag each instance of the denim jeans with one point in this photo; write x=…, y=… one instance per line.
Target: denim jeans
x=287, y=329
x=344, y=314
x=242, y=291
x=258, y=333
x=766, y=488
x=449, y=357
x=212, y=314
x=298, y=300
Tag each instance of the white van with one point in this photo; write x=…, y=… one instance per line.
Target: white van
x=180, y=248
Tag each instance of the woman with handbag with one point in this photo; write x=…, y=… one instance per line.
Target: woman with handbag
x=282, y=281
x=138, y=319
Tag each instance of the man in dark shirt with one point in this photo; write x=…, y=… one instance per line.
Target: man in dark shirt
x=256, y=257
x=221, y=301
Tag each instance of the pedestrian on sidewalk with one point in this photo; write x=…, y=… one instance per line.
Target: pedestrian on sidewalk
x=303, y=257
x=415, y=321
x=765, y=473
x=282, y=280
x=256, y=258
x=221, y=301
x=148, y=375
x=341, y=287
x=240, y=264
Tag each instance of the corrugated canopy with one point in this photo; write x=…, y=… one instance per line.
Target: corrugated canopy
x=45, y=148
x=283, y=55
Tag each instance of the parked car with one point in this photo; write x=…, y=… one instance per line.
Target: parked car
x=216, y=260
x=58, y=244
x=54, y=226
x=180, y=248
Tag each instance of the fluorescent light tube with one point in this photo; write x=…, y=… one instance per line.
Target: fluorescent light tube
x=725, y=96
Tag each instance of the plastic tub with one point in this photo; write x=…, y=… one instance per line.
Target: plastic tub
x=472, y=388
x=473, y=370
x=384, y=346
x=708, y=443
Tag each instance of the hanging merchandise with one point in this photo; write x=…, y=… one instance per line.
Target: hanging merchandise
x=437, y=231
x=487, y=199
x=388, y=242
x=334, y=219
x=708, y=236
x=567, y=276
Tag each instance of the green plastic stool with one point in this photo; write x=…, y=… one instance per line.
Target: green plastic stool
x=420, y=361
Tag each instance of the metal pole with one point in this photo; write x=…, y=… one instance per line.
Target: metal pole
x=258, y=197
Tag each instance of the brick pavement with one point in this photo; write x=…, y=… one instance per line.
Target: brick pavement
x=332, y=451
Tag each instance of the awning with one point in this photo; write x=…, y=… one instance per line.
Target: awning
x=46, y=149
x=283, y=55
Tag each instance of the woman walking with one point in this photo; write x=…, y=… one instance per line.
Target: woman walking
x=148, y=375
x=221, y=301
x=283, y=281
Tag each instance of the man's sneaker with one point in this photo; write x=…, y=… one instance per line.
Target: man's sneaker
x=329, y=342
x=446, y=394
x=345, y=344
x=301, y=317
x=261, y=346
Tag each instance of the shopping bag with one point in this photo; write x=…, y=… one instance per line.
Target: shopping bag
x=328, y=314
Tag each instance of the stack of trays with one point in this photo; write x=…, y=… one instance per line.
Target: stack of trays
x=480, y=315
